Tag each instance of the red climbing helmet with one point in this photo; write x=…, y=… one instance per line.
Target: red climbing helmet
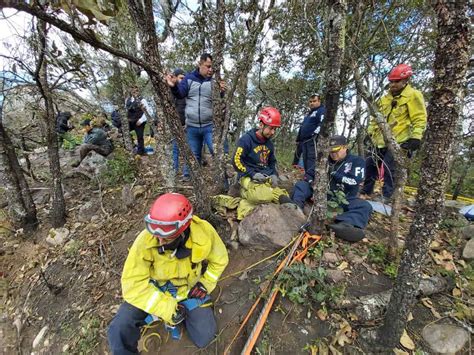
x=169, y=216
x=401, y=71
x=270, y=116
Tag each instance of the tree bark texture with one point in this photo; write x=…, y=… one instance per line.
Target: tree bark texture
x=142, y=15
x=400, y=162
x=21, y=205
x=119, y=98
x=451, y=61
x=335, y=53
x=58, y=205
x=223, y=105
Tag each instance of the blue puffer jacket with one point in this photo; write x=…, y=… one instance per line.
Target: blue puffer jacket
x=197, y=90
x=346, y=175
x=254, y=156
x=311, y=124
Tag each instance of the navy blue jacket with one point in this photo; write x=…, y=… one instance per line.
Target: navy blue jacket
x=347, y=175
x=253, y=156
x=311, y=124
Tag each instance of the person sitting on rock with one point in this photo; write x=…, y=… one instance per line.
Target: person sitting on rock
x=346, y=173
x=171, y=268
x=95, y=140
x=255, y=162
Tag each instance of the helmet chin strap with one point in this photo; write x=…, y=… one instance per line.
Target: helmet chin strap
x=177, y=245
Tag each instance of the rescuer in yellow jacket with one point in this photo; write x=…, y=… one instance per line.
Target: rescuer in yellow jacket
x=404, y=109
x=164, y=276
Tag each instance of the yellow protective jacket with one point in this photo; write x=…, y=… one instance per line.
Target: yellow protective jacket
x=144, y=263
x=407, y=118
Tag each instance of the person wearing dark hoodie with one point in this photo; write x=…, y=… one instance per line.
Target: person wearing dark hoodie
x=63, y=126
x=255, y=162
x=196, y=88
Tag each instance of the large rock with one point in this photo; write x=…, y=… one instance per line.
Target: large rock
x=94, y=163
x=270, y=225
x=57, y=236
x=468, y=251
x=445, y=338
x=468, y=231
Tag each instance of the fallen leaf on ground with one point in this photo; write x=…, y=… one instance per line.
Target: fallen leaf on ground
x=406, y=341
x=410, y=317
x=322, y=314
x=343, y=265
x=457, y=292
x=428, y=304
x=397, y=351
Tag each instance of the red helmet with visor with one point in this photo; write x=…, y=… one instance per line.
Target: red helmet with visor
x=170, y=215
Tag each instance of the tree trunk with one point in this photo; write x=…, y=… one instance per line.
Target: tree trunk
x=464, y=171
x=335, y=52
x=21, y=204
x=58, y=205
x=451, y=61
x=142, y=15
x=119, y=98
x=400, y=163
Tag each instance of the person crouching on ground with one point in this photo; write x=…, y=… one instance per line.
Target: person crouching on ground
x=164, y=276
x=95, y=140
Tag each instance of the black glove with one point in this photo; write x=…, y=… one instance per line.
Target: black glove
x=179, y=316
x=411, y=144
x=198, y=291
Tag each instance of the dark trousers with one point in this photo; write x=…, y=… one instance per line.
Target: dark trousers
x=356, y=213
x=124, y=330
x=87, y=148
x=372, y=167
x=139, y=130
x=309, y=158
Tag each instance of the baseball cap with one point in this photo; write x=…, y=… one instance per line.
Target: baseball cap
x=335, y=142
x=178, y=71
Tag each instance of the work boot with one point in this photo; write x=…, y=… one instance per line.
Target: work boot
x=285, y=199
x=348, y=232
x=76, y=163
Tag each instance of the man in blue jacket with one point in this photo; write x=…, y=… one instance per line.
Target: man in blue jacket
x=346, y=173
x=196, y=88
x=95, y=140
x=309, y=131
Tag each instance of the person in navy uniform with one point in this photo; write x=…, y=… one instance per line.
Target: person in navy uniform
x=346, y=173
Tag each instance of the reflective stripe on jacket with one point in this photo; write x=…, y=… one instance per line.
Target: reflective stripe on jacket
x=144, y=263
x=406, y=116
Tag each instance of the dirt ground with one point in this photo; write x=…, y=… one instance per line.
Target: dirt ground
x=74, y=289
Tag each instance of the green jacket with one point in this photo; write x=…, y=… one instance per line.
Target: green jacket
x=145, y=263
x=407, y=118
